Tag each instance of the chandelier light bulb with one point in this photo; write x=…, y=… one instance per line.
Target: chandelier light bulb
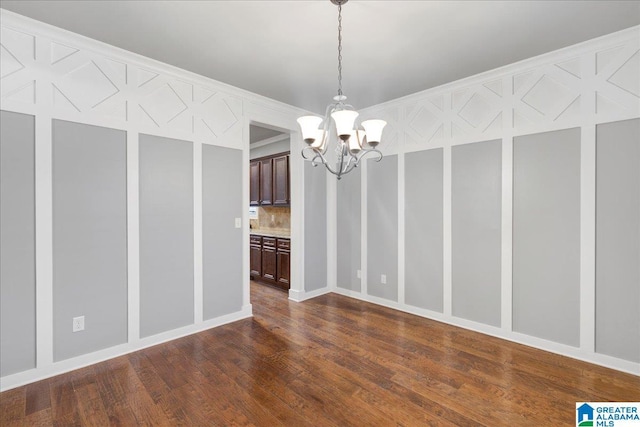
x=309, y=127
x=356, y=140
x=320, y=140
x=374, y=131
x=344, y=122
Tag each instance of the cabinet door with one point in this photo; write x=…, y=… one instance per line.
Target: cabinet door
x=283, y=261
x=266, y=182
x=255, y=265
x=254, y=183
x=281, y=180
x=269, y=263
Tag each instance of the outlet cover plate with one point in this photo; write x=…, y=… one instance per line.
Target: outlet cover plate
x=78, y=324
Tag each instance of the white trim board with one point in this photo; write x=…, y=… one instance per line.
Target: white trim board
x=575, y=87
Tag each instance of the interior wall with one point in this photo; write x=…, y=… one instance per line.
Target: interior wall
x=617, y=239
x=348, y=249
x=518, y=257
x=546, y=235
x=89, y=237
x=166, y=234
x=17, y=243
x=315, y=230
x=132, y=177
x=382, y=227
x=476, y=197
x=423, y=260
x=222, y=244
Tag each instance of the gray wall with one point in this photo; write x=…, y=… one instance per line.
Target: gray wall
x=382, y=227
x=349, y=230
x=546, y=235
x=166, y=234
x=89, y=237
x=17, y=243
x=618, y=239
x=222, y=202
x=476, y=231
x=424, y=229
x=315, y=227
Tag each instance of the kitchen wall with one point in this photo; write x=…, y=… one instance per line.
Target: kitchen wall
x=272, y=218
x=122, y=182
x=487, y=212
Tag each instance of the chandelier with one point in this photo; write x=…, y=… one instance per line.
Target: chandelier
x=351, y=143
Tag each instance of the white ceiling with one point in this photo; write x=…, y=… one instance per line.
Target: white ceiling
x=286, y=50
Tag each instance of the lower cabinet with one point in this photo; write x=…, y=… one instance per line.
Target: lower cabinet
x=282, y=261
x=270, y=260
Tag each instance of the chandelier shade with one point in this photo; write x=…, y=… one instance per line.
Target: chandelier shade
x=339, y=128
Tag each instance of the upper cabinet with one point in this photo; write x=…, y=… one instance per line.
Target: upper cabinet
x=281, y=181
x=266, y=182
x=269, y=181
x=254, y=183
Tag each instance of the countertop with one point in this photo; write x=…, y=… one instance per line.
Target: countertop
x=286, y=234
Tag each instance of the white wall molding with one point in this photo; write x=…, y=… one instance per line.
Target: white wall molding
x=56, y=74
x=301, y=295
x=579, y=86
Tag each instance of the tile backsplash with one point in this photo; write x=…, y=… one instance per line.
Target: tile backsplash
x=274, y=218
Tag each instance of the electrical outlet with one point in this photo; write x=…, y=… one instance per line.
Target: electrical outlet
x=358, y=274
x=78, y=324
x=383, y=279
x=238, y=222
x=273, y=218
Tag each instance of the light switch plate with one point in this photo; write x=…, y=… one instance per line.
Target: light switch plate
x=238, y=222
x=383, y=279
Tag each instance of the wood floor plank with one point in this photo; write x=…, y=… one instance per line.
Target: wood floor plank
x=329, y=361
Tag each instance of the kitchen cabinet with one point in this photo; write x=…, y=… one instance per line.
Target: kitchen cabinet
x=281, y=181
x=254, y=183
x=269, y=181
x=255, y=256
x=266, y=182
x=270, y=260
x=283, y=258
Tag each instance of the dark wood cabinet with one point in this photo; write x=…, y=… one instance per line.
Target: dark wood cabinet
x=269, y=181
x=254, y=183
x=266, y=182
x=255, y=256
x=283, y=260
x=270, y=260
x=281, y=181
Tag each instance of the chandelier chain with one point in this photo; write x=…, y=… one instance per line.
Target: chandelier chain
x=340, y=49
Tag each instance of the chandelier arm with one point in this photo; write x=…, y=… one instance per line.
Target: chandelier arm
x=324, y=161
x=304, y=155
x=368, y=151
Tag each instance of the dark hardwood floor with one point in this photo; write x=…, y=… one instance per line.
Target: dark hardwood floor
x=330, y=361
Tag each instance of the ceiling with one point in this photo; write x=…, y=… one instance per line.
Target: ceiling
x=259, y=133
x=287, y=50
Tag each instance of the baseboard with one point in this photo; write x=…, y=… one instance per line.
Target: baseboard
x=40, y=373
x=299, y=296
